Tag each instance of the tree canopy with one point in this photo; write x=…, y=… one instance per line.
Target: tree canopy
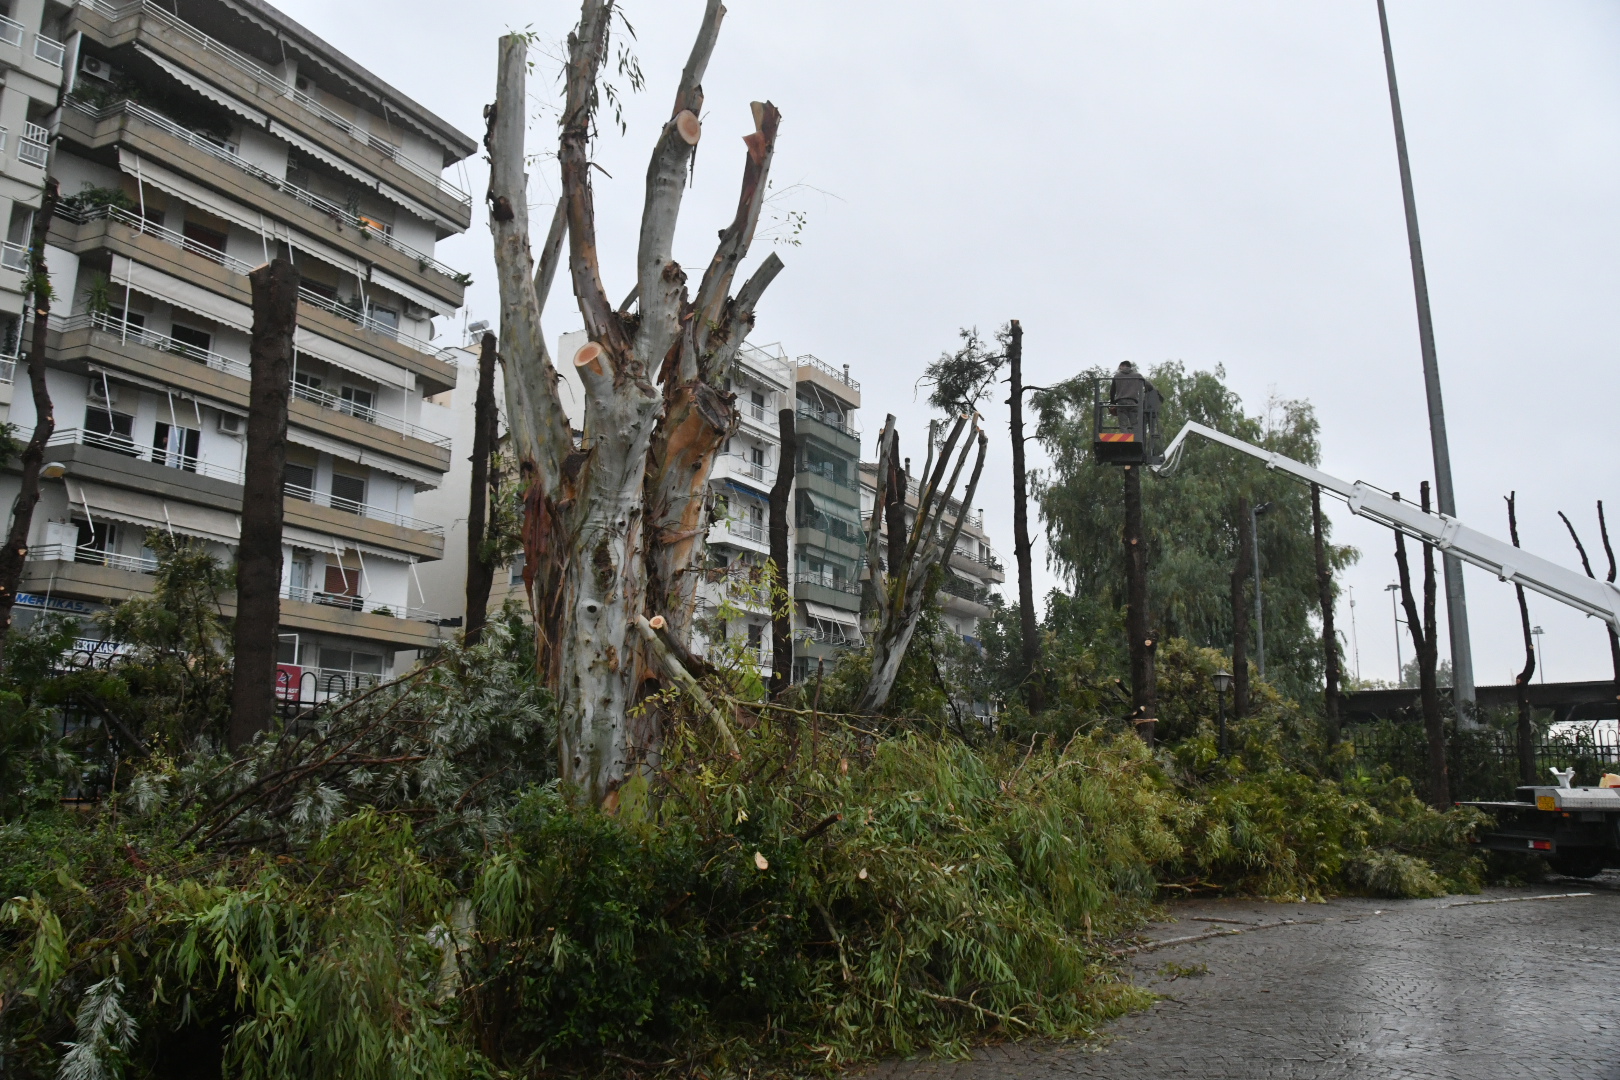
x=1191, y=522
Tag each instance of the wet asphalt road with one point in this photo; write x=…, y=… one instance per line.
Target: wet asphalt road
x=1448, y=988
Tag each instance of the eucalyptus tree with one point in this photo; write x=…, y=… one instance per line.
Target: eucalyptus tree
x=614, y=523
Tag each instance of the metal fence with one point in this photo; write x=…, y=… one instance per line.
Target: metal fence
x=1485, y=764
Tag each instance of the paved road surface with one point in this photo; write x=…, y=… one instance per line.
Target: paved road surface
x=1448, y=988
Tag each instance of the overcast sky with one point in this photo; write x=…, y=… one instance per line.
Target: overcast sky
x=1149, y=180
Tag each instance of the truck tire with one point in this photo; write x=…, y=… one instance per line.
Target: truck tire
x=1576, y=866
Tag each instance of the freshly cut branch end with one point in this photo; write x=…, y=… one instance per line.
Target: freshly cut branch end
x=589, y=356
x=689, y=126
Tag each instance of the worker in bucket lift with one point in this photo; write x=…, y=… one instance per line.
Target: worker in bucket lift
x=1126, y=383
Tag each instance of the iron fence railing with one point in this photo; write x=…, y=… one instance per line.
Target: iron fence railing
x=808, y=360
x=1485, y=764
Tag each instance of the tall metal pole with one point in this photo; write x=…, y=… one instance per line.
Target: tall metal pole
x=1259, y=601
x=1462, y=655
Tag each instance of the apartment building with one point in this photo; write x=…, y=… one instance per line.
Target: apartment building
x=31, y=62
x=829, y=537
x=973, y=569
x=189, y=149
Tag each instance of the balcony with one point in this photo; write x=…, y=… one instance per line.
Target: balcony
x=11, y=31
x=127, y=447
x=251, y=80
x=840, y=593
x=810, y=361
x=326, y=216
x=34, y=148
x=93, y=556
x=751, y=531
x=359, y=509
x=146, y=242
x=49, y=50
x=359, y=603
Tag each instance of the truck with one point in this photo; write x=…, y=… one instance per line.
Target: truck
x=1576, y=829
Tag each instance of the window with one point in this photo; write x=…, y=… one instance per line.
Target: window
x=176, y=447
x=298, y=481
x=383, y=320
x=109, y=430
x=360, y=663
x=756, y=635
x=101, y=537
x=342, y=588
x=287, y=648
x=298, y=579
x=348, y=493
x=361, y=403
x=135, y=319
x=515, y=570
x=757, y=455
x=201, y=236
x=190, y=338
x=319, y=288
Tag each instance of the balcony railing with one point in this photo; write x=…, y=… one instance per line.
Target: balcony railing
x=228, y=155
x=808, y=360
x=826, y=581
x=49, y=50
x=14, y=257
x=349, y=506
x=8, y=369
x=747, y=530
x=128, y=447
x=831, y=419
x=369, y=415
x=11, y=31
x=85, y=553
x=263, y=75
x=34, y=147
x=745, y=466
x=756, y=411
x=829, y=474
x=358, y=603
x=359, y=316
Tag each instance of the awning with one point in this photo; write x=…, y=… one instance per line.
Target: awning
x=354, y=360
x=836, y=511
x=181, y=294
x=309, y=540
x=752, y=493
x=832, y=614
x=411, y=292
x=353, y=172
x=422, y=478
x=206, y=89
x=139, y=508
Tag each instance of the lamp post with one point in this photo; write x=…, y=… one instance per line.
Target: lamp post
x=1541, y=660
x=1259, y=604
x=1395, y=613
x=1223, y=683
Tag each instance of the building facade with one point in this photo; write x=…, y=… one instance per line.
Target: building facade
x=188, y=151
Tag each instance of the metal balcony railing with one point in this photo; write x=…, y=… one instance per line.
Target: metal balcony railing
x=359, y=316
x=228, y=154
x=827, y=581
x=263, y=75
x=139, y=335
x=747, y=530
x=828, y=473
x=34, y=147
x=49, y=50
x=14, y=257
x=349, y=506
x=369, y=415
x=807, y=360
x=745, y=466
x=756, y=411
x=11, y=31
x=128, y=447
x=85, y=553
x=8, y=369
x=358, y=603
x=831, y=419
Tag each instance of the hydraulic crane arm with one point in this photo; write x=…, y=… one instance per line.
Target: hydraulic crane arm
x=1508, y=563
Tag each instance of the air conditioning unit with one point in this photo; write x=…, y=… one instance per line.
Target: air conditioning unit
x=232, y=424
x=102, y=393
x=97, y=68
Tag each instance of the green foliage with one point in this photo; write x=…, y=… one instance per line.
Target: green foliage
x=1190, y=519
x=961, y=379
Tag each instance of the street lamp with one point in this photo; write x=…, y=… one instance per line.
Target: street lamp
x=1259, y=606
x=1223, y=683
x=1541, y=663
x=1395, y=613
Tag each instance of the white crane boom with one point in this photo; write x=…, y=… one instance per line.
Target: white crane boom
x=1508, y=563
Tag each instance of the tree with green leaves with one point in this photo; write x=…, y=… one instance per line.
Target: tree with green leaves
x=1191, y=519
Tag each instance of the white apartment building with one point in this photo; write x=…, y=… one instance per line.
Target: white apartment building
x=189, y=150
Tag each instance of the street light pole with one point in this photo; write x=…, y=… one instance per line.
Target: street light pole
x=1541, y=662
x=1395, y=613
x=1223, y=682
x=1259, y=603
x=1462, y=656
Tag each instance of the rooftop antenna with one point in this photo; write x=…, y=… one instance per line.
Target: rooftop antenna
x=1462, y=656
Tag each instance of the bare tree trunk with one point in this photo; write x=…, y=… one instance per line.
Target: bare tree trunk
x=15, y=553
x=1240, y=611
x=614, y=527
x=901, y=592
x=258, y=565
x=1138, y=625
x=1028, y=631
x=1330, y=640
x=1424, y=644
x=1603, y=526
x=480, y=560
x=781, y=577
x=1521, y=683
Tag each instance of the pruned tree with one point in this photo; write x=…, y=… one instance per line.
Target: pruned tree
x=781, y=590
x=917, y=550
x=1138, y=622
x=480, y=552
x=1330, y=638
x=15, y=552
x=1586, y=564
x=1526, y=731
x=1425, y=643
x=614, y=525
x=961, y=380
x=258, y=562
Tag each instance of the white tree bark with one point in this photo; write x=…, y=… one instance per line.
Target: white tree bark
x=625, y=508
